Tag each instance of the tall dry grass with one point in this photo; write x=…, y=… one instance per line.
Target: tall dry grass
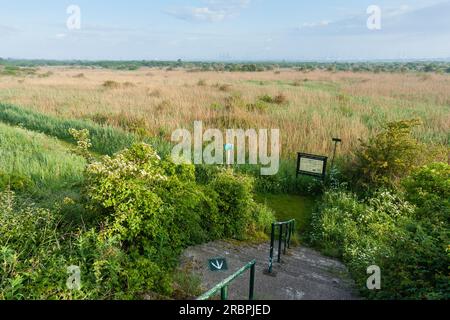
x=319, y=105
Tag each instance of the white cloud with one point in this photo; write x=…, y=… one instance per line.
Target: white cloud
x=7, y=30
x=403, y=20
x=211, y=11
x=322, y=23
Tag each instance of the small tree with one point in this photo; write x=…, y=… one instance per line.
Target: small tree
x=388, y=156
x=83, y=143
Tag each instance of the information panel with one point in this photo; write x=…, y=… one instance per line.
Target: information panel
x=312, y=165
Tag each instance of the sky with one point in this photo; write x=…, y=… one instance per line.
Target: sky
x=292, y=30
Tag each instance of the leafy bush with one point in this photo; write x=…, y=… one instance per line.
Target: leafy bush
x=278, y=99
x=156, y=208
x=28, y=244
x=36, y=251
x=266, y=98
x=235, y=204
x=387, y=157
x=388, y=231
x=429, y=188
x=14, y=181
x=143, y=212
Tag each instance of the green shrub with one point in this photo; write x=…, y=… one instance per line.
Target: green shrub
x=36, y=251
x=429, y=189
x=266, y=98
x=143, y=212
x=278, y=99
x=384, y=231
x=158, y=208
x=14, y=181
x=29, y=244
x=387, y=157
x=235, y=204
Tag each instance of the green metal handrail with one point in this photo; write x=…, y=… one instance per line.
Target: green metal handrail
x=289, y=231
x=223, y=286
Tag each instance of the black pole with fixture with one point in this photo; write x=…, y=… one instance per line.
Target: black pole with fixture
x=336, y=142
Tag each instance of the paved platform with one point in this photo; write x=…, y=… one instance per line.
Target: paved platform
x=303, y=274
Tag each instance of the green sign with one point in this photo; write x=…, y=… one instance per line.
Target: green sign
x=218, y=264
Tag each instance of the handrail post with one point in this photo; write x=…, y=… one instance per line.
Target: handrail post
x=251, y=294
x=224, y=285
x=291, y=232
x=224, y=293
x=286, y=235
x=272, y=244
x=289, y=235
x=280, y=240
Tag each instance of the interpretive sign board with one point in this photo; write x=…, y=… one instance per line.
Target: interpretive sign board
x=312, y=165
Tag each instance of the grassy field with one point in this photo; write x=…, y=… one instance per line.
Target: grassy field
x=309, y=107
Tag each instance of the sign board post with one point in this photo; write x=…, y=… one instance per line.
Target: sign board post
x=312, y=165
x=336, y=142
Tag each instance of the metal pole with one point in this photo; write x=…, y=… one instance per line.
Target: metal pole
x=224, y=293
x=290, y=234
x=336, y=141
x=280, y=240
x=286, y=234
x=252, y=283
x=272, y=244
x=293, y=227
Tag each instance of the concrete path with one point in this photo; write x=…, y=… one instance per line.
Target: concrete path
x=304, y=274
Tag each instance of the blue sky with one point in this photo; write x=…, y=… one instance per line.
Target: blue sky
x=225, y=30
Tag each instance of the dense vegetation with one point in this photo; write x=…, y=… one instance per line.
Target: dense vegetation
x=127, y=242
x=14, y=66
x=85, y=177
x=398, y=218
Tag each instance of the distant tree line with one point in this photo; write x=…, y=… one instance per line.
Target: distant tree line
x=193, y=66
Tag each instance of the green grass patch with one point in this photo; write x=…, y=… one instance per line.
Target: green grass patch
x=105, y=139
x=288, y=207
x=31, y=161
x=321, y=86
